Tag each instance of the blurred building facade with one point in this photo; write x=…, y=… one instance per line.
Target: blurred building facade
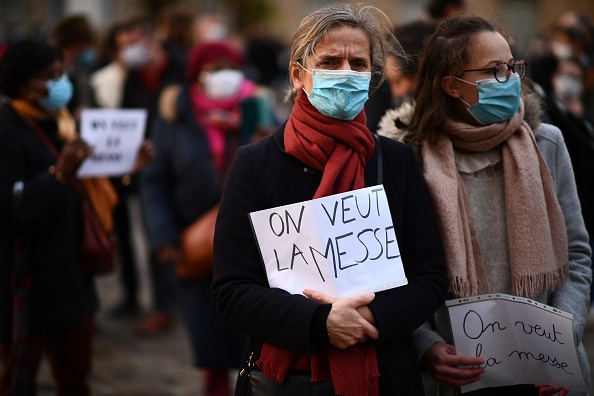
x=526, y=18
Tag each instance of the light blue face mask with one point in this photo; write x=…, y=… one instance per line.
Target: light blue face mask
x=59, y=93
x=87, y=58
x=339, y=94
x=497, y=102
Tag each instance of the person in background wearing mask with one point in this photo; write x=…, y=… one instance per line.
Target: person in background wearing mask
x=384, y=105
x=503, y=190
x=359, y=345
x=75, y=40
x=47, y=302
x=402, y=74
x=174, y=30
x=149, y=69
x=199, y=127
x=107, y=81
x=565, y=109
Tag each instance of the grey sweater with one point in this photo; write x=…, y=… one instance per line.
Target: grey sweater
x=483, y=177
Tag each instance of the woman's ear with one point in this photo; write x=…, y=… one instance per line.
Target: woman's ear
x=296, y=76
x=450, y=85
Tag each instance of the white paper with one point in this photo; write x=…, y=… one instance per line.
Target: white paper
x=341, y=245
x=116, y=136
x=521, y=340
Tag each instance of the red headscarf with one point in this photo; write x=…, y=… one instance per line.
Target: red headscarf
x=210, y=51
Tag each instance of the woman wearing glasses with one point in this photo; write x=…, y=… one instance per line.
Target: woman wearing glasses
x=502, y=189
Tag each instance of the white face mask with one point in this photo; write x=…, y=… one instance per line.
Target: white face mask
x=222, y=84
x=135, y=55
x=561, y=50
x=567, y=86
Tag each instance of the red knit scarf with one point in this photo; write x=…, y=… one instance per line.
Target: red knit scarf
x=341, y=150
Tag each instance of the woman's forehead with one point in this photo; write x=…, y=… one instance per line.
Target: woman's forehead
x=487, y=49
x=344, y=40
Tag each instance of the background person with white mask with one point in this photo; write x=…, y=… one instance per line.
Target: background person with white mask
x=195, y=136
x=142, y=68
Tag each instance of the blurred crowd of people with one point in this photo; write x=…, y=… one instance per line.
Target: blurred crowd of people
x=208, y=89
x=206, y=92
x=562, y=68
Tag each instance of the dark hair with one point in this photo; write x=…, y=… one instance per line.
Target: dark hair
x=437, y=8
x=73, y=29
x=412, y=36
x=446, y=53
x=178, y=20
x=21, y=61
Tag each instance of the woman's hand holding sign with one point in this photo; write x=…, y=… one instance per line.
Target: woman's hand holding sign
x=350, y=320
x=446, y=367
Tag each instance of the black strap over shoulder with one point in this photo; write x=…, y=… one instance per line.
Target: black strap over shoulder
x=380, y=161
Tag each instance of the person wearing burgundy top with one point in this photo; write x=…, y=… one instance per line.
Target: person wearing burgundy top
x=361, y=344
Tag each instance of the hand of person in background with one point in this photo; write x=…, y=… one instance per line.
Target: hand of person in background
x=444, y=365
x=546, y=390
x=72, y=155
x=350, y=320
x=169, y=254
x=145, y=155
x=229, y=121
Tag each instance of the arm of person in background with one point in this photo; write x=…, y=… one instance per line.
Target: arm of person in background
x=39, y=195
x=146, y=154
x=574, y=295
x=155, y=193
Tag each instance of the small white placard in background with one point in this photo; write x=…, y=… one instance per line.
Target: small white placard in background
x=116, y=136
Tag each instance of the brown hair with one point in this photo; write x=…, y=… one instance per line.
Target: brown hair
x=72, y=30
x=446, y=53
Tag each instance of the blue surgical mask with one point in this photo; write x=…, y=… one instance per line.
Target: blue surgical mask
x=339, y=94
x=87, y=58
x=497, y=102
x=59, y=93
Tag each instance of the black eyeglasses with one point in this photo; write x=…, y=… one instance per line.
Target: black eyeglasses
x=502, y=71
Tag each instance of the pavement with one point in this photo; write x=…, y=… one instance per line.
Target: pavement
x=127, y=365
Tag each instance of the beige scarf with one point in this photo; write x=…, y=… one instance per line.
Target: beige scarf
x=537, y=238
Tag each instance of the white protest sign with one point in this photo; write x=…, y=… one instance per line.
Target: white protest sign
x=341, y=245
x=522, y=341
x=116, y=136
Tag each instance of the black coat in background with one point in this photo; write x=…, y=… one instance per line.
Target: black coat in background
x=578, y=133
x=47, y=218
x=263, y=175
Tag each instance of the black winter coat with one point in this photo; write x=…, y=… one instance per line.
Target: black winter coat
x=46, y=219
x=182, y=183
x=263, y=175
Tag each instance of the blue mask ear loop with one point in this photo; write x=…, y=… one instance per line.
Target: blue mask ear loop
x=301, y=66
x=467, y=82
